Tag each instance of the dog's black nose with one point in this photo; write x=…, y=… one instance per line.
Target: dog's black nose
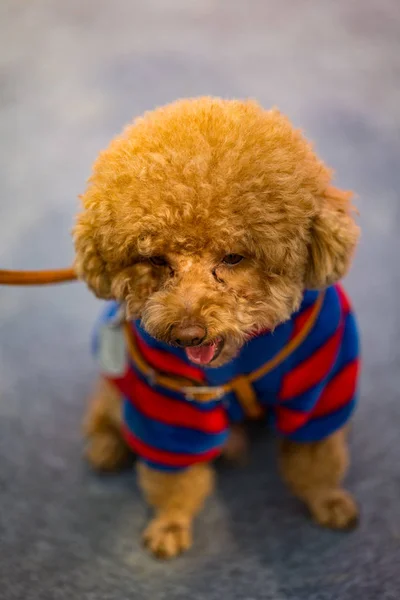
x=189, y=335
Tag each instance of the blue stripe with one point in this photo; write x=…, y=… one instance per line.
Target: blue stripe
x=309, y=298
x=349, y=350
x=171, y=438
x=267, y=388
x=161, y=466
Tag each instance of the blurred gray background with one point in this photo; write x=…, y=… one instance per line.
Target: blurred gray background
x=72, y=74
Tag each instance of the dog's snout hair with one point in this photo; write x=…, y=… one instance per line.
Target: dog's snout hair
x=177, y=311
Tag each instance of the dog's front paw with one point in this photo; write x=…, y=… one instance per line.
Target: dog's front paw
x=335, y=509
x=168, y=535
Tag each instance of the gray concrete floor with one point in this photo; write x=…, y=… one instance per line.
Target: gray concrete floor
x=72, y=74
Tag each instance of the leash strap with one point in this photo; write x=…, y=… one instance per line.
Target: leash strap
x=9, y=277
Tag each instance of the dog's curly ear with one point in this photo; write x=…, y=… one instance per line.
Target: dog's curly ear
x=89, y=265
x=334, y=236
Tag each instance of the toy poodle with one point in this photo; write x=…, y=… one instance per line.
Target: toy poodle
x=215, y=234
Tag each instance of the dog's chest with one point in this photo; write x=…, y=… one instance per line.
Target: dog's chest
x=141, y=365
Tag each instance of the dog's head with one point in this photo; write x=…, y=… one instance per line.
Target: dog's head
x=208, y=219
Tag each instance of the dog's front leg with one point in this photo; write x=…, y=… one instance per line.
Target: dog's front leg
x=314, y=472
x=176, y=497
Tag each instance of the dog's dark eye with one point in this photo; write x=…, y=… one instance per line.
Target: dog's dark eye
x=232, y=259
x=158, y=261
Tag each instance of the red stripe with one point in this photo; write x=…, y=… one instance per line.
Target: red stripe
x=289, y=420
x=312, y=370
x=343, y=299
x=339, y=391
x=125, y=384
x=169, y=459
x=167, y=410
x=162, y=360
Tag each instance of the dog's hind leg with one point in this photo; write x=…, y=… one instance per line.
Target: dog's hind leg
x=235, y=449
x=106, y=449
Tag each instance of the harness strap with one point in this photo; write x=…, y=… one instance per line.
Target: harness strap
x=244, y=392
x=241, y=386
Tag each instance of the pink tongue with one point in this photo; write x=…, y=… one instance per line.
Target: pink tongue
x=201, y=355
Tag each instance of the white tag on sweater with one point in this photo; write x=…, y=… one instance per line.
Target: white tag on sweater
x=112, y=350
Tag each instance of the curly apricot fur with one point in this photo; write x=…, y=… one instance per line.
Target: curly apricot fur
x=192, y=182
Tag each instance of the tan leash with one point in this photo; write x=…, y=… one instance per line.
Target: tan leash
x=10, y=277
